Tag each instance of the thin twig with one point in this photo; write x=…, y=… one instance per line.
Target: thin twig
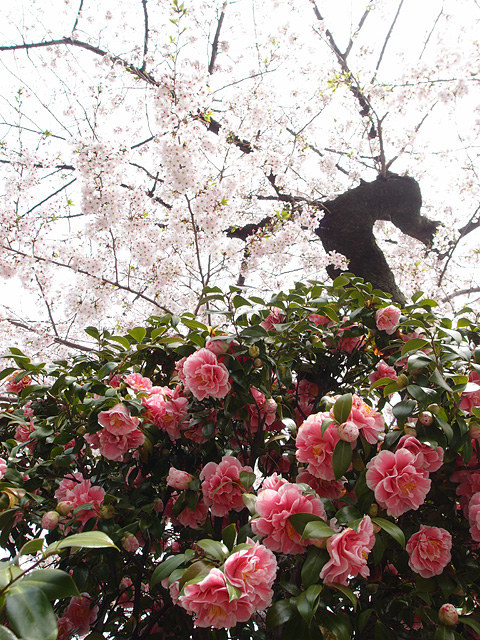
x=78, y=16
x=387, y=39
x=216, y=39
x=52, y=195
x=461, y=292
x=145, y=38
x=52, y=321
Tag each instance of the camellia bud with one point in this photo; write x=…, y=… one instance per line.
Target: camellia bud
x=81, y=431
x=107, y=511
x=373, y=510
x=254, y=351
x=426, y=418
x=402, y=380
x=348, y=431
x=448, y=615
x=64, y=508
x=130, y=542
x=270, y=406
x=434, y=408
x=410, y=431
x=475, y=430
x=50, y=520
x=258, y=363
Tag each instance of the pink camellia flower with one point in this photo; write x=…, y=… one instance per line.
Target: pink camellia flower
x=114, y=447
x=204, y=376
x=193, y=518
x=118, y=420
x=81, y=613
x=209, y=601
x=348, y=431
x=426, y=457
x=429, y=551
x=383, y=370
x=316, y=449
x=305, y=394
x=317, y=319
x=348, y=553
x=50, y=520
x=127, y=591
x=27, y=410
x=137, y=382
x=262, y=412
x=253, y=572
x=369, y=422
x=274, y=509
x=474, y=516
x=398, y=484
x=76, y=491
x=130, y=543
x=15, y=387
x=472, y=398
x=330, y=489
x=178, y=479
x=218, y=347
x=388, y=318
x=221, y=486
x=3, y=467
x=167, y=409
x=273, y=482
x=469, y=485
x=274, y=317
x=65, y=628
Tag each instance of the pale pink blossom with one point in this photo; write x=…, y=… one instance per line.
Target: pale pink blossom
x=348, y=553
x=262, y=413
x=137, y=382
x=130, y=543
x=469, y=485
x=429, y=551
x=273, y=482
x=388, y=318
x=167, y=409
x=426, y=457
x=23, y=432
x=275, y=507
x=178, y=479
x=253, y=572
x=209, y=602
x=348, y=431
x=330, y=489
x=118, y=420
x=205, y=377
x=84, y=493
x=383, y=370
x=221, y=486
x=274, y=317
x=50, y=520
x=27, y=409
x=81, y=613
x=472, y=398
x=65, y=628
x=398, y=484
x=193, y=518
x=218, y=347
x=115, y=447
x=316, y=449
x=317, y=319
x=474, y=516
x=369, y=422
x=349, y=344
x=127, y=591
x=3, y=467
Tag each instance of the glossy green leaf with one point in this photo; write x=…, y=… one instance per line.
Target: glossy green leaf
x=247, y=478
x=346, y=592
x=84, y=540
x=415, y=344
x=470, y=621
x=279, y=613
x=342, y=408
x=195, y=572
x=165, y=568
x=30, y=613
x=342, y=458
x=31, y=547
x=325, y=424
x=214, y=549
x=300, y=520
x=54, y=583
x=404, y=409
x=229, y=535
x=312, y=566
x=307, y=602
x=6, y=634
x=392, y=530
x=317, y=529
x=444, y=633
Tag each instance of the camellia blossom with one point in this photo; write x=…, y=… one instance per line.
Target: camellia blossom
x=472, y=398
x=429, y=551
x=81, y=613
x=315, y=448
x=137, y=382
x=209, y=601
x=348, y=553
x=178, y=479
x=77, y=492
x=474, y=516
x=114, y=447
x=263, y=412
x=383, y=370
x=253, y=572
x=3, y=467
x=167, y=409
x=369, y=422
x=426, y=457
x=330, y=489
x=275, y=507
x=388, y=318
x=398, y=484
x=221, y=486
x=274, y=317
x=118, y=420
x=204, y=376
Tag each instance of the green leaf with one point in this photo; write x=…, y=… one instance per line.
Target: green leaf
x=392, y=530
x=165, y=568
x=31, y=547
x=250, y=501
x=325, y=424
x=84, y=540
x=107, y=368
x=196, y=572
x=341, y=459
x=307, y=602
x=233, y=592
x=317, y=529
x=214, y=549
x=247, y=478
x=341, y=281
x=300, y=520
x=6, y=634
x=312, y=566
x=346, y=592
x=229, y=535
x=403, y=409
x=138, y=333
x=444, y=633
x=416, y=344
x=470, y=621
x=30, y=613
x=279, y=613
x=438, y=379
x=342, y=408
x=54, y=583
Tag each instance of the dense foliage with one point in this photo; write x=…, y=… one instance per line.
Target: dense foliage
x=306, y=467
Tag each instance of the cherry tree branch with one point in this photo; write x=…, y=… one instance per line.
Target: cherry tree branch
x=461, y=292
x=379, y=62
x=216, y=39
x=145, y=38
x=55, y=339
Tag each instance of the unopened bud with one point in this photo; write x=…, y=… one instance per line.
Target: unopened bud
x=270, y=406
x=425, y=418
x=258, y=363
x=64, y=507
x=81, y=431
x=373, y=510
x=348, y=431
x=50, y=520
x=254, y=351
x=402, y=380
x=130, y=543
x=448, y=615
x=107, y=511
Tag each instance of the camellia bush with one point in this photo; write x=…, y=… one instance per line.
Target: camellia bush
x=306, y=467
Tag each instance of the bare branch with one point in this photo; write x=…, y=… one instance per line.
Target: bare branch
x=461, y=292
x=79, y=12
x=216, y=39
x=387, y=39
x=472, y=224
x=145, y=38
x=52, y=195
x=431, y=32
x=52, y=321
x=56, y=339
x=357, y=31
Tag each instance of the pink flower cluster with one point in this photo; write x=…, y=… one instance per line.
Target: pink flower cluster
x=15, y=387
x=399, y=484
x=429, y=551
x=75, y=491
x=167, y=409
x=252, y=571
x=78, y=617
x=471, y=399
x=370, y=423
x=274, y=317
x=204, y=376
x=348, y=551
x=383, y=370
x=262, y=413
x=316, y=449
x=221, y=486
x=274, y=507
x=120, y=433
